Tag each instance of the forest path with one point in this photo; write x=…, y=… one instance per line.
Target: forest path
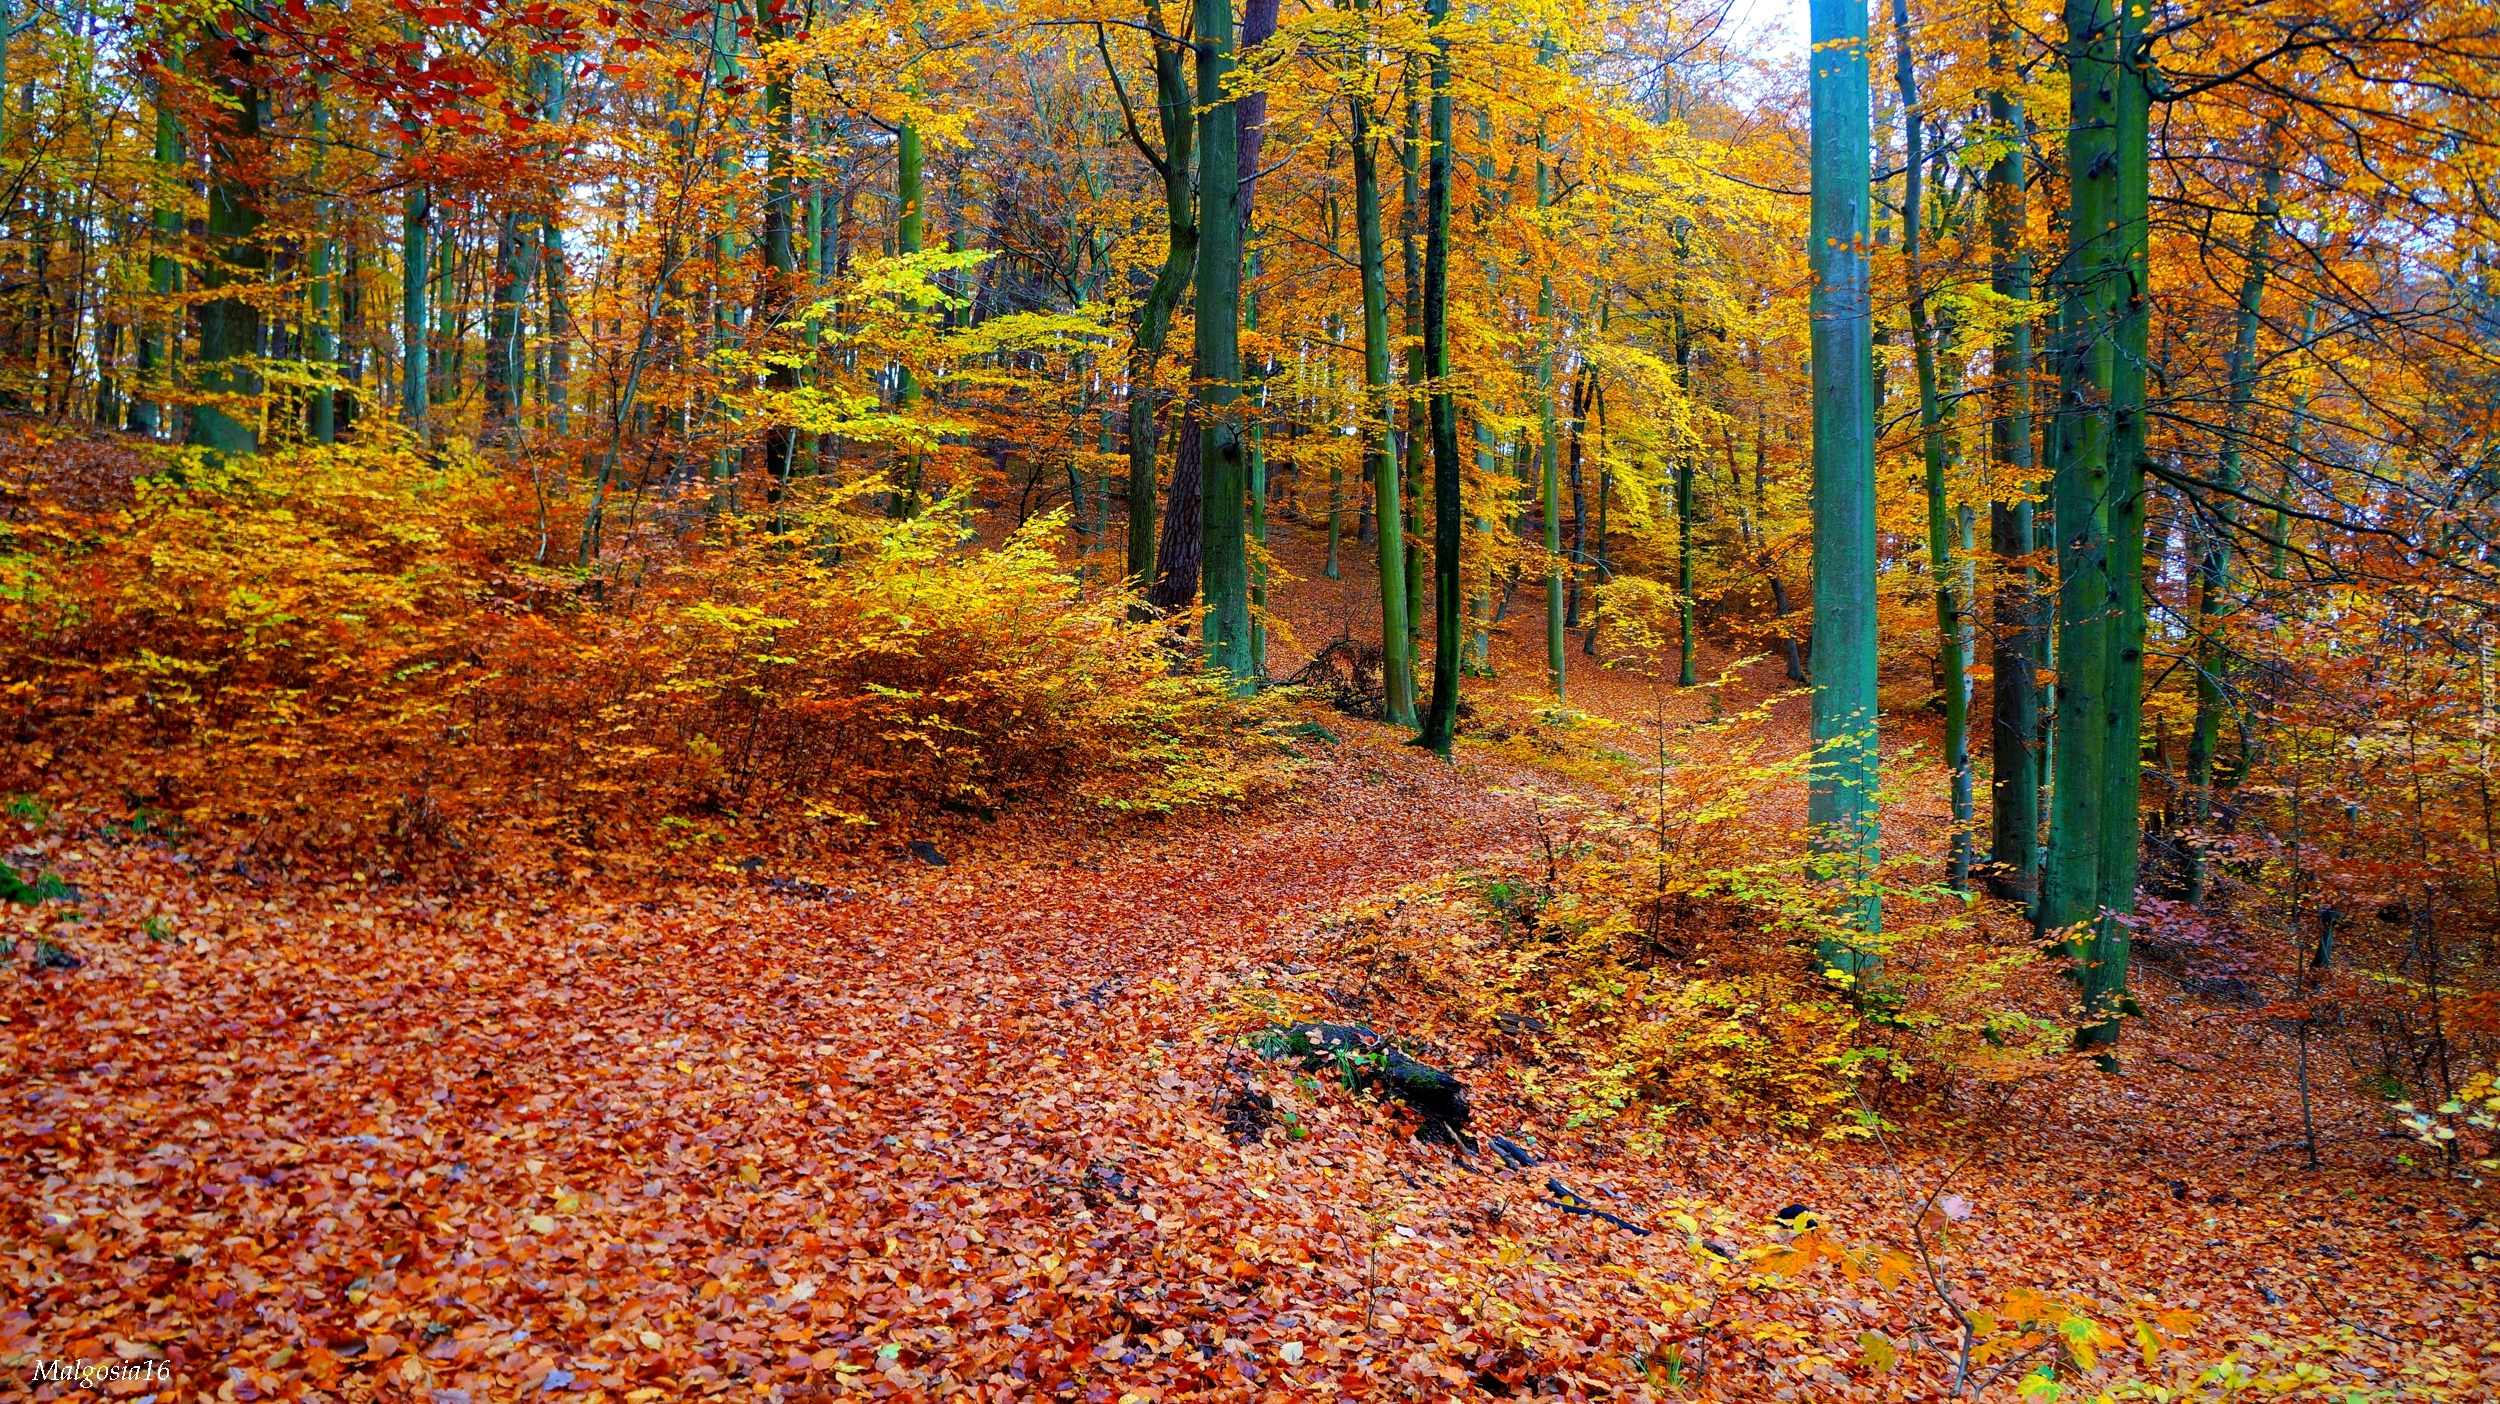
x=366, y=1141
x=909, y=1129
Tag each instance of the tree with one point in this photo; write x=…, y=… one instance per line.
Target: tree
x=1397, y=664
x=1441, y=722
x=1840, y=797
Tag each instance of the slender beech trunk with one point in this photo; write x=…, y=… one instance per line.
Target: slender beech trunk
x=1841, y=798
x=2015, y=649
x=416, y=223
x=2213, y=575
x=320, y=336
x=1549, y=477
x=781, y=288
x=1931, y=419
x=1418, y=431
x=1154, y=314
x=1441, y=722
x=1397, y=665
x=1687, y=670
x=158, y=342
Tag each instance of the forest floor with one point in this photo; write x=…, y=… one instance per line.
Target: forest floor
x=900, y=1127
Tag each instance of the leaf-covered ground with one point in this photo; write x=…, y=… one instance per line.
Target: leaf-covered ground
x=910, y=1130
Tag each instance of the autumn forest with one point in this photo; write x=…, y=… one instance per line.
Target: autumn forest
x=1148, y=700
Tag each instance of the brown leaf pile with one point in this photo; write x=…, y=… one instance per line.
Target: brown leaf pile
x=913, y=1131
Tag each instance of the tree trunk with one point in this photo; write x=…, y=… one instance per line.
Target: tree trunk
x=227, y=420
x=1154, y=314
x=1397, y=665
x=1841, y=798
x=1181, y=548
x=158, y=343
x=1224, y=520
x=1441, y=723
x=2213, y=576
x=1931, y=417
x=2015, y=645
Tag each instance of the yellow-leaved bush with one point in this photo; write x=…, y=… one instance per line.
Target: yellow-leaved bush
x=329, y=649
x=1652, y=963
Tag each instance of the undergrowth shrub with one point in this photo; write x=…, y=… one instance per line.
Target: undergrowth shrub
x=354, y=649
x=1652, y=961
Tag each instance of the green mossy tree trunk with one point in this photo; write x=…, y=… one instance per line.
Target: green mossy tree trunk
x=158, y=342
x=1841, y=783
x=2015, y=649
x=227, y=419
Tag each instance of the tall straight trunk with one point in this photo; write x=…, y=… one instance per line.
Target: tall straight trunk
x=559, y=390
x=1154, y=314
x=1224, y=520
x=781, y=257
x=416, y=223
x=1411, y=289
x=1548, y=458
x=1687, y=670
x=1931, y=420
x=448, y=310
x=1578, y=556
x=1605, y=491
x=2099, y=516
x=516, y=264
x=227, y=420
x=2104, y=960
x=1840, y=792
x=1258, y=25
x=2213, y=575
x=1441, y=722
x=910, y=235
x=1397, y=665
x=158, y=342
x=320, y=336
x=2016, y=644
x=1256, y=441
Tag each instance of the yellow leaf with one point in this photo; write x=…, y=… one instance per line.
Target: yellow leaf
x=541, y=1223
x=2148, y=1342
x=752, y=1174
x=1881, y=1354
x=650, y=1340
